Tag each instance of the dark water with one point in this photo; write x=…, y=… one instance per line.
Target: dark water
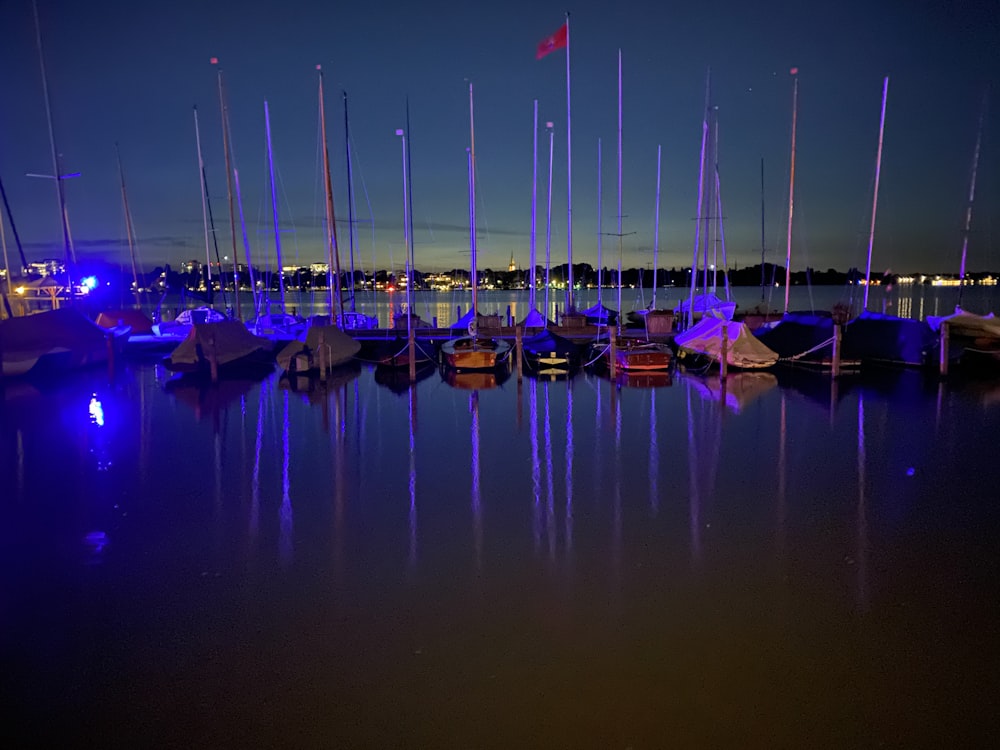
x=550, y=564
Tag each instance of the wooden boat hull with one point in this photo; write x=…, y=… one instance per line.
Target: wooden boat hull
x=474, y=354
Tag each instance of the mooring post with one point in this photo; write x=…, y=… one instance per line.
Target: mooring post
x=837, y=336
x=411, y=347
x=943, y=336
x=613, y=355
x=518, y=351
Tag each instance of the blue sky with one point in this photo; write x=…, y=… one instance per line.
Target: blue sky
x=130, y=73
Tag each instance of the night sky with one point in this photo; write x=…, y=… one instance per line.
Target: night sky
x=130, y=72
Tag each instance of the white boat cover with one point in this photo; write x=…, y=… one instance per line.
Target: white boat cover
x=744, y=350
x=962, y=323
x=342, y=347
x=229, y=339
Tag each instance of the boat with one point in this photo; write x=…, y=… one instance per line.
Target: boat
x=805, y=338
x=55, y=341
x=225, y=348
x=709, y=340
x=597, y=314
x=973, y=340
x=352, y=320
x=550, y=351
x=475, y=351
x=321, y=349
x=653, y=320
x=396, y=352
x=628, y=354
x=707, y=303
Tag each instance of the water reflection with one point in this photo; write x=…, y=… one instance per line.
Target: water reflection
x=736, y=390
x=475, y=380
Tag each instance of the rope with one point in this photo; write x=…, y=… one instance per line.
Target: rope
x=795, y=357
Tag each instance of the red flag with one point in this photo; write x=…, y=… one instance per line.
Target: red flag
x=556, y=40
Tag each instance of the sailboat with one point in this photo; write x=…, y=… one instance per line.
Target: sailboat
x=878, y=338
x=397, y=353
x=598, y=314
x=628, y=354
x=706, y=302
x=976, y=338
x=716, y=338
x=653, y=320
x=351, y=319
x=475, y=351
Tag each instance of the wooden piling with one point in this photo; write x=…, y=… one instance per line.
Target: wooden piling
x=613, y=356
x=518, y=352
x=837, y=338
x=411, y=346
x=943, y=342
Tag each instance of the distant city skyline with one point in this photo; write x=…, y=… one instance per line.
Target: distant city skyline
x=129, y=74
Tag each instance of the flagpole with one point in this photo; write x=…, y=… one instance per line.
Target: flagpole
x=570, y=306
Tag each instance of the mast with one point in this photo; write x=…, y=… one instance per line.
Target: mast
x=406, y=239
x=762, y=229
x=791, y=188
x=226, y=148
x=409, y=192
x=274, y=204
x=350, y=199
x=600, y=200
x=972, y=196
x=619, y=191
x=656, y=230
x=60, y=190
x=333, y=251
x=878, y=171
x=548, y=225
x=204, y=205
x=534, y=209
x=570, y=304
x=701, y=196
x=129, y=229
x=13, y=229
x=472, y=210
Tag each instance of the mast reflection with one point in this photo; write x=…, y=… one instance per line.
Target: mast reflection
x=286, y=521
x=536, y=476
x=477, y=519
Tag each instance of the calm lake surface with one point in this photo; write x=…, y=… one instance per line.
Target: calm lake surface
x=576, y=563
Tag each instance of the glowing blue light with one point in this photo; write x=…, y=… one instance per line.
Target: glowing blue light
x=911, y=471
x=96, y=410
x=89, y=283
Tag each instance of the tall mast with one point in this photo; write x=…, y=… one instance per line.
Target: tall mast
x=274, y=205
x=570, y=304
x=472, y=209
x=226, y=148
x=406, y=236
x=701, y=197
x=878, y=171
x=129, y=229
x=534, y=210
x=619, y=190
x=13, y=229
x=656, y=230
x=409, y=190
x=972, y=196
x=60, y=190
x=350, y=199
x=548, y=225
x=600, y=207
x=791, y=187
x=333, y=251
x=762, y=229
x=204, y=205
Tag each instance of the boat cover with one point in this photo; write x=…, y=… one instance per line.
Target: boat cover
x=744, y=350
x=24, y=340
x=874, y=337
x=971, y=325
x=342, y=347
x=706, y=304
x=229, y=339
